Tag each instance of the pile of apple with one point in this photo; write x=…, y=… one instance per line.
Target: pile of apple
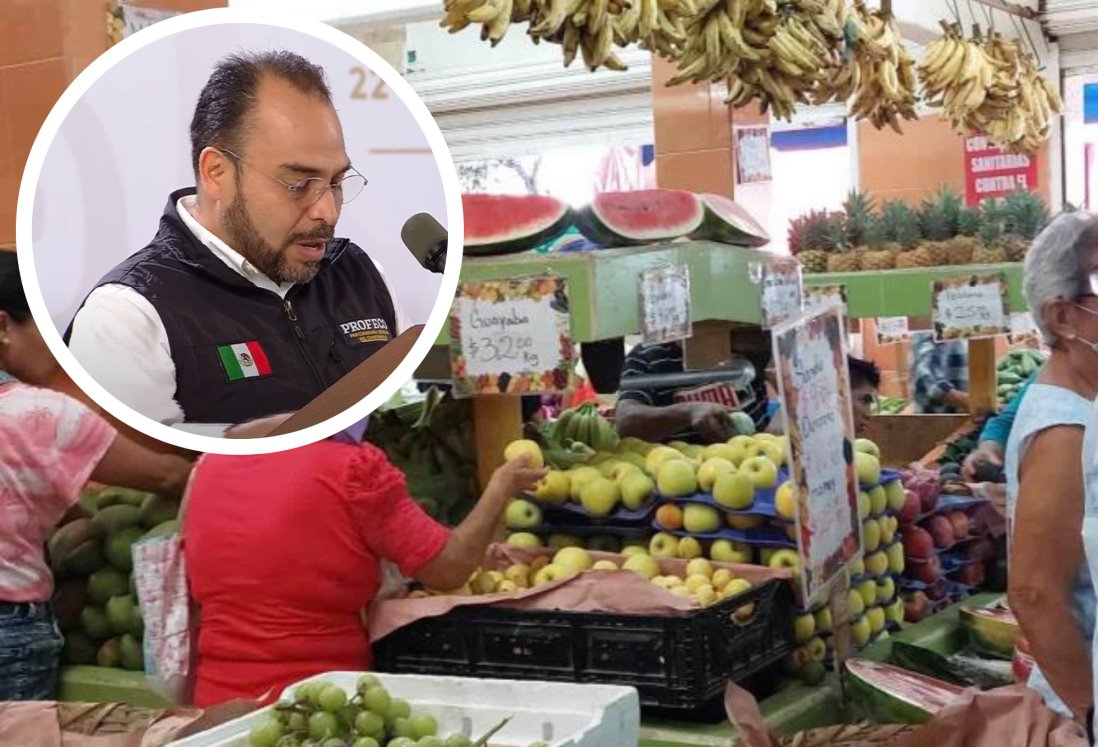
x=701, y=583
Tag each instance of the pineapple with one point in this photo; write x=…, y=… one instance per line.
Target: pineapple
x=961, y=249
x=901, y=226
x=969, y=222
x=938, y=220
x=843, y=257
x=1024, y=216
x=879, y=254
x=810, y=240
x=990, y=250
x=914, y=258
x=858, y=218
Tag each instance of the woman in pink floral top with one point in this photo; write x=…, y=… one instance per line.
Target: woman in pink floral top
x=50, y=446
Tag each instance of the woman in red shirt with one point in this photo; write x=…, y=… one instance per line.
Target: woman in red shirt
x=283, y=552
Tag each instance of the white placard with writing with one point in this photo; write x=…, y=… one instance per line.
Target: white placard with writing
x=892, y=329
x=506, y=336
x=968, y=308
x=665, y=304
x=821, y=296
x=782, y=293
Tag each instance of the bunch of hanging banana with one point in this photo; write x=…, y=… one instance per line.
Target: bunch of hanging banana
x=656, y=25
x=885, y=90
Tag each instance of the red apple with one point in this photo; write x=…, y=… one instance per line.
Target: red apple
x=916, y=606
x=982, y=550
x=977, y=523
x=918, y=543
x=959, y=520
x=972, y=574
x=912, y=507
x=928, y=572
x=928, y=497
x=937, y=591
x=941, y=530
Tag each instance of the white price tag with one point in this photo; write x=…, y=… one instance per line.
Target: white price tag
x=970, y=307
x=821, y=296
x=665, y=304
x=782, y=293
x=892, y=330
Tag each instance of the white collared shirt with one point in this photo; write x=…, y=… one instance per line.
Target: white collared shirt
x=119, y=339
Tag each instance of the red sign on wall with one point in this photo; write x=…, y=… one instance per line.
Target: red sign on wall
x=992, y=172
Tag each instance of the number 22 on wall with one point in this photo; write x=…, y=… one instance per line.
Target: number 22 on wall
x=365, y=89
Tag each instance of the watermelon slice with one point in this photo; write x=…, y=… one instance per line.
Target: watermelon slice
x=728, y=223
x=507, y=224
x=993, y=630
x=641, y=217
x=893, y=695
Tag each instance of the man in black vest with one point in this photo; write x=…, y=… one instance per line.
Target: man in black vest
x=244, y=304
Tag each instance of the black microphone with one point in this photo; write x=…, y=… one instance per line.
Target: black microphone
x=426, y=240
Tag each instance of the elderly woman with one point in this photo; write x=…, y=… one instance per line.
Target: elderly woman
x=1050, y=589
x=50, y=445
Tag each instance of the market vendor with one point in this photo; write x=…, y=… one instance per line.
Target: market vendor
x=865, y=383
x=993, y=438
x=660, y=415
x=1050, y=590
x=284, y=551
x=50, y=445
x=244, y=304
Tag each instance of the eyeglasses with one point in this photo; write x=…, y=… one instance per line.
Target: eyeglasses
x=308, y=192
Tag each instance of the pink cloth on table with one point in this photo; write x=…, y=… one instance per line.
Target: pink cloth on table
x=49, y=445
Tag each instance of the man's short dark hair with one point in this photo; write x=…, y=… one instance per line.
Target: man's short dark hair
x=863, y=372
x=231, y=93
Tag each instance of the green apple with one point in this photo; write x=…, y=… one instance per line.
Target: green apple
x=690, y=548
x=804, y=627
x=643, y=565
x=557, y=541
x=522, y=514
x=871, y=535
x=886, y=589
x=575, y=559
x=664, y=545
x=868, y=591
x=634, y=550
x=878, y=500
x=860, y=631
x=876, y=564
x=726, y=551
x=823, y=620
x=895, y=495
x=786, y=558
x=869, y=469
x=734, y=490
x=636, y=489
x=711, y=469
x=523, y=539
x=865, y=446
x=554, y=488
x=817, y=649
x=700, y=519
x=578, y=478
x=855, y=603
x=876, y=617
x=762, y=471
x=551, y=573
x=677, y=479
x=865, y=506
x=600, y=496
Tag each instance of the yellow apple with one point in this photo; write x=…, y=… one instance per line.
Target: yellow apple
x=636, y=489
x=524, y=446
x=719, y=451
x=677, y=479
x=785, y=500
x=804, y=627
x=871, y=535
x=886, y=589
x=866, y=446
x=508, y=587
x=868, y=591
x=518, y=574
x=482, y=583
x=721, y=578
x=554, y=488
x=666, y=582
x=734, y=490
x=762, y=471
x=823, y=620
x=857, y=567
x=711, y=469
x=693, y=583
x=865, y=505
x=605, y=565
x=855, y=603
x=681, y=591
x=860, y=631
x=786, y=559
x=600, y=496
x=888, y=526
x=705, y=595
x=878, y=500
x=876, y=564
x=643, y=565
x=657, y=456
x=523, y=539
x=895, y=553
x=634, y=550
x=737, y=449
x=575, y=559
x=817, y=649
x=726, y=551
x=700, y=519
x=876, y=617
x=894, y=612
x=736, y=587
x=896, y=495
x=869, y=469
x=551, y=573
x=522, y=514
x=699, y=567
x=769, y=449
x=664, y=545
x=689, y=548
x=579, y=477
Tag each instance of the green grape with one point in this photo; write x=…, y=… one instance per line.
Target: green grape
x=424, y=725
x=402, y=727
x=288, y=740
x=365, y=742
x=539, y=743
x=458, y=740
x=402, y=742
x=301, y=692
x=331, y=698
x=398, y=709
x=322, y=725
x=333, y=742
x=266, y=734
x=297, y=722
x=430, y=741
x=369, y=724
x=366, y=681
x=377, y=700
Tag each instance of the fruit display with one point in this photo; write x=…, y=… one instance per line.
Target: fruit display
x=432, y=443
x=507, y=224
x=889, y=694
x=322, y=714
x=95, y=598
x=938, y=232
x=989, y=85
x=1014, y=370
x=878, y=71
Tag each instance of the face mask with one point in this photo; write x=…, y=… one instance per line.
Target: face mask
x=1092, y=345
x=352, y=434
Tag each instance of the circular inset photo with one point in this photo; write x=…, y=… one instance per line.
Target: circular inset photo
x=232, y=231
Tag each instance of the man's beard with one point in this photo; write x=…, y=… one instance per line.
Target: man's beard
x=244, y=238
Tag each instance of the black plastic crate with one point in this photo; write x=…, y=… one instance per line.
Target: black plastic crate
x=675, y=662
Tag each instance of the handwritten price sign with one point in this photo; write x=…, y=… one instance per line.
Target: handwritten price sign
x=970, y=307
x=665, y=304
x=782, y=293
x=892, y=330
x=511, y=337
x=818, y=297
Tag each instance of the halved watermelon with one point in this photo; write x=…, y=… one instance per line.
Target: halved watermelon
x=893, y=695
x=641, y=217
x=993, y=630
x=728, y=223
x=507, y=224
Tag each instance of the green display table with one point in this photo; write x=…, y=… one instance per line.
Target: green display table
x=102, y=685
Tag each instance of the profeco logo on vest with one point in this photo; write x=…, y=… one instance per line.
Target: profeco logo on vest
x=365, y=331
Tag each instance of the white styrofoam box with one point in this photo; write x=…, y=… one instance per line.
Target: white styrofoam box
x=561, y=714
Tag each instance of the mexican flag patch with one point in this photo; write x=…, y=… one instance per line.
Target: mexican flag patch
x=245, y=360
